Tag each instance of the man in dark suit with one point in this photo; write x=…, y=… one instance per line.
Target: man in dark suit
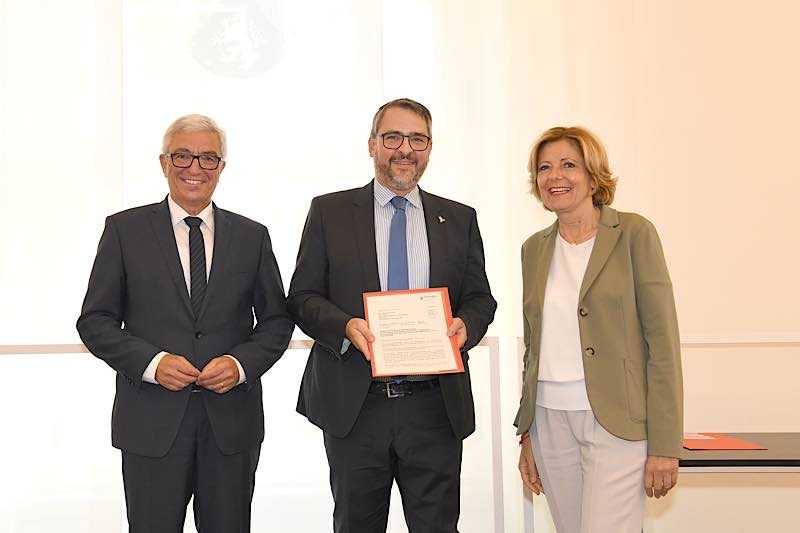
x=170, y=307
x=407, y=429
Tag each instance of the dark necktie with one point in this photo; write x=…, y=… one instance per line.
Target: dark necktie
x=197, y=263
x=398, y=254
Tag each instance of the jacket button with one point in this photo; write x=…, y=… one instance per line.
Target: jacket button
x=583, y=311
x=198, y=334
x=589, y=351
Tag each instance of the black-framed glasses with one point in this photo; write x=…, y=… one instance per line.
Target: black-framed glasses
x=185, y=160
x=392, y=140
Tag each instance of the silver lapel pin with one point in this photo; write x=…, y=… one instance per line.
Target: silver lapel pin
x=441, y=219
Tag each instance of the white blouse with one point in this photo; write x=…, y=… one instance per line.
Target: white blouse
x=561, y=380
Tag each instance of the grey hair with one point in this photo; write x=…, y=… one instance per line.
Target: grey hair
x=190, y=123
x=405, y=103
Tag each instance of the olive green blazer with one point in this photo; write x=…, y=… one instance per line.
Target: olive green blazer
x=628, y=329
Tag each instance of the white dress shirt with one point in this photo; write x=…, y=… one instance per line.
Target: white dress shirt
x=181, y=231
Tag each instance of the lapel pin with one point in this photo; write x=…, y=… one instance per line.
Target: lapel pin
x=441, y=219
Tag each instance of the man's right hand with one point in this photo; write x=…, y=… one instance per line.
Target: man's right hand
x=358, y=333
x=175, y=372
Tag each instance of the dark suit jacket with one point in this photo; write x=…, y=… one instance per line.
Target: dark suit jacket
x=137, y=305
x=337, y=263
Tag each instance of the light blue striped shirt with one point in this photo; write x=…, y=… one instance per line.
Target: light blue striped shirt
x=416, y=237
x=419, y=259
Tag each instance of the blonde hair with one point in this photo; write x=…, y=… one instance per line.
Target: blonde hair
x=594, y=156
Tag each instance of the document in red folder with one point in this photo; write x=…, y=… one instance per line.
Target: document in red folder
x=410, y=328
x=717, y=441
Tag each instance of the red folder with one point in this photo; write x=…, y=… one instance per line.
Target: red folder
x=717, y=441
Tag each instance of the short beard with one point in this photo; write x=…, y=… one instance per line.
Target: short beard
x=397, y=182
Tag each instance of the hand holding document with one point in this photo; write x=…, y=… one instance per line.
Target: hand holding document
x=410, y=329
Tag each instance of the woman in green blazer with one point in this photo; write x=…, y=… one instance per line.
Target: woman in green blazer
x=601, y=414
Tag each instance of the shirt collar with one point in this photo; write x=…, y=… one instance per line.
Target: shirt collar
x=383, y=195
x=177, y=213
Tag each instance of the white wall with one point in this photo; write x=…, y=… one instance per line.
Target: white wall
x=696, y=103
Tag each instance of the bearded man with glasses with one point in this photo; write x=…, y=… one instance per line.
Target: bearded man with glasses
x=170, y=306
x=407, y=429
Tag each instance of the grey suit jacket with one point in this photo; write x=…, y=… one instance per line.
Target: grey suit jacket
x=628, y=329
x=337, y=263
x=137, y=305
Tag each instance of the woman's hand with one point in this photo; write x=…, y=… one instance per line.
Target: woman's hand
x=660, y=475
x=527, y=466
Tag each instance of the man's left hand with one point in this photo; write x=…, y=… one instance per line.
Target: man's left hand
x=660, y=475
x=459, y=329
x=220, y=375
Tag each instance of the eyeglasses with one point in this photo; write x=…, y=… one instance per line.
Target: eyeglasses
x=392, y=140
x=185, y=160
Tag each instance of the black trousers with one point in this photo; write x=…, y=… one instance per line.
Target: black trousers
x=408, y=440
x=158, y=489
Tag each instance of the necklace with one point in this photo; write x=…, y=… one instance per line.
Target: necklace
x=581, y=238
x=583, y=235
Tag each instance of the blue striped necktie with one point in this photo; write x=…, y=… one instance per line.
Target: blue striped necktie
x=398, y=253
x=197, y=263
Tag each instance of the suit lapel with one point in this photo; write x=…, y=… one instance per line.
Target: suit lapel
x=161, y=222
x=436, y=230
x=219, y=261
x=608, y=233
x=546, y=247
x=364, y=230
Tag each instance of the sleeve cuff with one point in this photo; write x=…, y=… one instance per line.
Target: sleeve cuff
x=242, y=376
x=150, y=372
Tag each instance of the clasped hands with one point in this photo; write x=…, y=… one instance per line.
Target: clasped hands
x=358, y=333
x=175, y=373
